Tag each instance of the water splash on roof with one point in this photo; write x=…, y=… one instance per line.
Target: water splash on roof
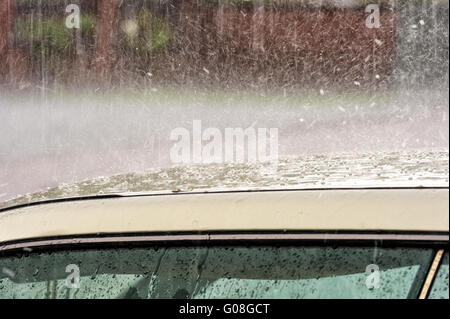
x=380, y=169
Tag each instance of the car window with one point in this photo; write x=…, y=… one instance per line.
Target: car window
x=439, y=290
x=217, y=272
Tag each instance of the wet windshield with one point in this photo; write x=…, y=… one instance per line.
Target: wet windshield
x=112, y=96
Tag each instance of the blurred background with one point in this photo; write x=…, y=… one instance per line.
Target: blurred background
x=263, y=44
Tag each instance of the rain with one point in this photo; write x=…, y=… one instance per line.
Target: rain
x=90, y=92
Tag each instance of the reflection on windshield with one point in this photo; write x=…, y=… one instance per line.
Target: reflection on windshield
x=93, y=89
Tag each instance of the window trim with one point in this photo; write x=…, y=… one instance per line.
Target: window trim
x=418, y=239
x=431, y=275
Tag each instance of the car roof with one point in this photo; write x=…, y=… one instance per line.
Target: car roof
x=404, y=209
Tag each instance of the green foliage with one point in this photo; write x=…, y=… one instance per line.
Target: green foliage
x=55, y=34
x=51, y=33
x=160, y=35
x=88, y=24
x=51, y=43
x=154, y=32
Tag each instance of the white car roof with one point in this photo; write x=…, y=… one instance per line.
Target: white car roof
x=401, y=209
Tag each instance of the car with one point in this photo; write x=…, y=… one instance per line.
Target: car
x=374, y=242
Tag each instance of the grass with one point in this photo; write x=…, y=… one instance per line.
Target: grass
x=229, y=98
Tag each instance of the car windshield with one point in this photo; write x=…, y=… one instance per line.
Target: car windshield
x=109, y=96
x=219, y=272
